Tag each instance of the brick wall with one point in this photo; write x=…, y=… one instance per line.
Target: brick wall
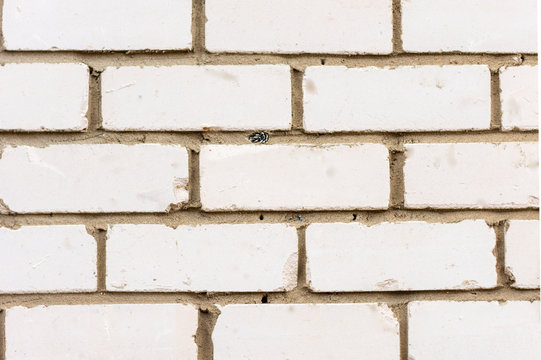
x=389, y=211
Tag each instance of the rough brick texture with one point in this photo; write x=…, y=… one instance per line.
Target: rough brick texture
x=474, y=330
x=97, y=25
x=305, y=331
x=460, y=256
x=54, y=97
x=269, y=179
x=479, y=175
x=318, y=177
x=522, y=253
x=197, y=98
x=59, y=258
x=469, y=26
x=519, y=97
x=396, y=99
x=93, y=178
x=157, y=258
x=134, y=331
x=299, y=26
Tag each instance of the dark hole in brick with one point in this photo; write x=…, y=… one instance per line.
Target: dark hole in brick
x=264, y=299
x=261, y=217
x=354, y=216
x=322, y=61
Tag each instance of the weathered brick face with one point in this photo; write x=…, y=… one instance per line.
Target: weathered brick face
x=267, y=180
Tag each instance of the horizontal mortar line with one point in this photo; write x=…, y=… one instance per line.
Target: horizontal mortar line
x=196, y=139
x=120, y=58
x=293, y=297
x=296, y=218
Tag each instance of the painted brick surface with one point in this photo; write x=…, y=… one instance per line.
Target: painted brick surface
x=464, y=175
x=130, y=331
x=522, y=253
x=400, y=256
x=93, y=178
x=519, y=97
x=197, y=98
x=283, y=177
x=286, y=179
x=299, y=26
x=43, y=97
x=306, y=331
x=59, y=258
x=474, y=330
x=493, y=26
x=191, y=258
x=396, y=99
x=96, y=25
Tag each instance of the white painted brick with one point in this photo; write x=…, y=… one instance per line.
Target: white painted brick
x=286, y=177
x=299, y=26
x=245, y=257
x=97, y=25
x=197, y=98
x=306, y=332
x=471, y=175
x=93, y=178
x=337, y=98
x=519, y=97
x=38, y=97
x=469, y=26
x=60, y=258
x=522, y=253
x=120, y=332
x=400, y=256
x=474, y=330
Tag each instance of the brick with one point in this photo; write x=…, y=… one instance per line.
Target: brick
x=43, y=97
x=301, y=26
x=97, y=25
x=59, y=258
x=199, y=258
x=519, y=97
x=522, y=253
x=191, y=98
x=121, y=332
x=294, y=177
x=302, y=332
x=469, y=26
x=407, y=98
x=472, y=175
x=474, y=330
x=93, y=178
x=400, y=256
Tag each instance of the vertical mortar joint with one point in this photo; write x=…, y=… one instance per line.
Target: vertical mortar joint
x=302, y=283
x=397, y=26
x=495, y=102
x=297, y=95
x=99, y=233
x=504, y=277
x=208, y=316
x=94, y=114
x=397, y=159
